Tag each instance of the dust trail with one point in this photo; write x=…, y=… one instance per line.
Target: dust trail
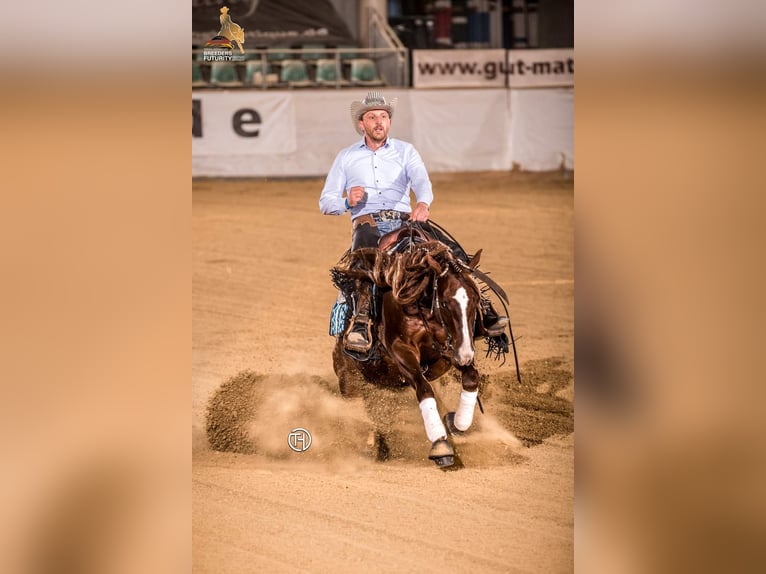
x=255, y=413
x=488, y=443
x=339, y=427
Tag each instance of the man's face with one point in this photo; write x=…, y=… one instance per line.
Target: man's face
x=376, y=124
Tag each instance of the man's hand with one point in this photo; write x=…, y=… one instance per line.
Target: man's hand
x=355, y=195
x=420, y=213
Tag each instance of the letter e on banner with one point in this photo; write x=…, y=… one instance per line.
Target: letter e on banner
x=245, y=117
x=244, y=124
x=196, y=119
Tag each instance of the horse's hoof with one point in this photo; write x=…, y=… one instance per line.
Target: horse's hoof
x=444, y=461
x=449, y=424
x=441, y=449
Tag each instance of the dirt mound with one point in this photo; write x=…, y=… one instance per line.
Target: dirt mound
x=537, y=408
x=229, y=412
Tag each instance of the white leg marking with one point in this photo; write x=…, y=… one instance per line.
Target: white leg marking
x=465, y=408
x=434, y=425
x=465, y=352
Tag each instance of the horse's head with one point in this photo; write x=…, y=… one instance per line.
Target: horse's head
x=459, y=298
x=430, y=275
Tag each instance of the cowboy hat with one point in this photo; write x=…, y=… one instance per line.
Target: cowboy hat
x=373, y=101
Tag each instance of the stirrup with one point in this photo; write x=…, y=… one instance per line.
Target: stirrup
x=498, y=327
x=359, y=346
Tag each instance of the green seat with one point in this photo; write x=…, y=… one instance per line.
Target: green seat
x=295, y=74
x=327, y=74
x=364, y=73
x=224, y=74
x=256, y=68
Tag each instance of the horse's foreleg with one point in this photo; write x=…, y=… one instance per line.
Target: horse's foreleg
x=409, y=365
x=468, y=396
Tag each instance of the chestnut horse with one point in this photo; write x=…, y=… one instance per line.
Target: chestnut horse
x=426, y=317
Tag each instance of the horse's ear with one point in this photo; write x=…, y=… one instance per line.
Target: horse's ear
x=475, y=260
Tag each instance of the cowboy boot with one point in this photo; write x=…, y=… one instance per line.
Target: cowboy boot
x=358, y=336
x=492, y=324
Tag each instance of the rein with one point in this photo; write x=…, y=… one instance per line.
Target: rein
x=436, y=310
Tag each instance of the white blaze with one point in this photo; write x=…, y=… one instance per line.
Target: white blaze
x=465, y=352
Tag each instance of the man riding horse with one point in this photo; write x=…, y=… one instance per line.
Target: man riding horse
x=372, y=179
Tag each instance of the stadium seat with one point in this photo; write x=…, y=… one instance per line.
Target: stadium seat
x=295, y=74
x=197, y=79
x=224, y=74
x=256, y=73
x=327, y=74
x=364, y=73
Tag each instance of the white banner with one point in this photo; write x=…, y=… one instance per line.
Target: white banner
x=492, y=68
x=541, y=137
x=252, y=122
x=458, y=129
x=453, y=129
x=458, y=68
x=540, y=68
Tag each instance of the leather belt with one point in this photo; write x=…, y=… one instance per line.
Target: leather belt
x=383, y=215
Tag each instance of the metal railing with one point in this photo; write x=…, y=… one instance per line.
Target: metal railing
x=391, y=63
x=396, y=63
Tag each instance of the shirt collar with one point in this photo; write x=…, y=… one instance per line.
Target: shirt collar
x=362, y=144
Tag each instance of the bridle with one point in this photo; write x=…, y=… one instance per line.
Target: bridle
x=448, y=349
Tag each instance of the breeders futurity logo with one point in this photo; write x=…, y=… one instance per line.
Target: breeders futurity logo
x=219, y=47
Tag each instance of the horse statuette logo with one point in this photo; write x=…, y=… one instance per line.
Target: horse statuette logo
x=230, y=30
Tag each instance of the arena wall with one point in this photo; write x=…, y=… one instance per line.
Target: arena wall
x=281, y=133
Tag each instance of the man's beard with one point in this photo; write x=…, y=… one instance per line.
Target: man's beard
x=375, y=138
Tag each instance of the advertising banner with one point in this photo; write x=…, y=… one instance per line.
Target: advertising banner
x=229, y=123
x=458, y=68
x=492, y=68
x=540, y=68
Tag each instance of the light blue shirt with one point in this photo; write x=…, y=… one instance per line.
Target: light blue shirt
x=386, y=174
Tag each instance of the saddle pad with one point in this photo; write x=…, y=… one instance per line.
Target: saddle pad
x=338, y=317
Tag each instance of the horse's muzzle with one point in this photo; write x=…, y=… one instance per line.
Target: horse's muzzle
x=464, y=357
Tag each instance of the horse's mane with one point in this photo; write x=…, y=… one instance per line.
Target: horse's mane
x=408, y=274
